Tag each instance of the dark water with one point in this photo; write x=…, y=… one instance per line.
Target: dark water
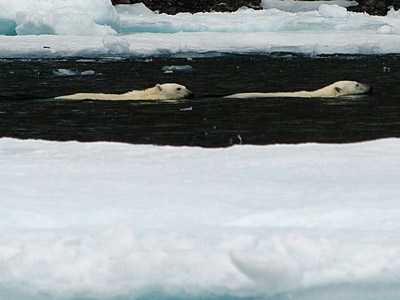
x=206, y=120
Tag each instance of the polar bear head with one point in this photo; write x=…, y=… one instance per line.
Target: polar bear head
x=173, y=91
x=347, y=88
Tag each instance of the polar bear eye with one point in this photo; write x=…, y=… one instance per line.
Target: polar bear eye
x=178, y=89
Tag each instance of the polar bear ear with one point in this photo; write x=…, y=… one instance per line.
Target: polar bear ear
x=158, y=86
x=338, y=89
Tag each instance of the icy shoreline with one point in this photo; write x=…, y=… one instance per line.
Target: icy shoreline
x=202, y=44
x=134, y=30
x=109, y=220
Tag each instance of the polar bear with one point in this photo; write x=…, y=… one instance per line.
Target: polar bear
x=165, y=91
x=337, y=89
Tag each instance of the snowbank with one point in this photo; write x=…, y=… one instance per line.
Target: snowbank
x=201, y=43
x=110, y=220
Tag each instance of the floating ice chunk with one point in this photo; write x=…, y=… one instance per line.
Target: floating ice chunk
x=186, y=109
x=66, y=72
x=88, y=73
x=101, y=12
x=138, y=9
x=184, y=68
x=63, y=21
x=116, y=45
x=302, y=6
x=332, y=11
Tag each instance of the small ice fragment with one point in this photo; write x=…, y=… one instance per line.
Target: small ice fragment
x=88, y=73
x=186, y=109
x=64, y=72
x=183, y=68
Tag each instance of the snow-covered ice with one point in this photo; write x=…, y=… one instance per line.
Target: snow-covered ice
x=46, y=14
x=301, y=6
x=332, y=11
x=111, y=220
x=63, y=21
x=37, y=28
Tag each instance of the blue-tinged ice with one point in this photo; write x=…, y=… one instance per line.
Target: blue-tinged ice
x=72, y=17
x=95, y=28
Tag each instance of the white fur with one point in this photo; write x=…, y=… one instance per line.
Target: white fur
x=166, y=91
x=337, y=89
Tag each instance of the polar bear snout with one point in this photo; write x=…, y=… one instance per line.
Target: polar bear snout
x=364, y=88
x=368, y=89
x=186, y=93
x=189, y=95
x=174, y=91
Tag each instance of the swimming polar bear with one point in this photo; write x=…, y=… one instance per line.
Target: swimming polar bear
x=165, y=91
x=337, y=89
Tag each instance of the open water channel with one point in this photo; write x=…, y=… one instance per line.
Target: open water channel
x=27, y=109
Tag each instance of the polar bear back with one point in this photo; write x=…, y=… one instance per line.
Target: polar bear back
x=337, y=89
x=166, y=91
